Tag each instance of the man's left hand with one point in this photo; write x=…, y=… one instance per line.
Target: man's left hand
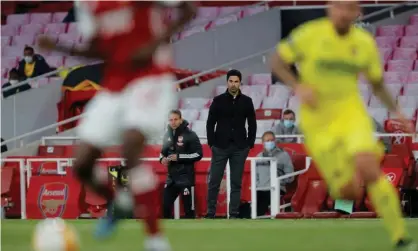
x=172, y=157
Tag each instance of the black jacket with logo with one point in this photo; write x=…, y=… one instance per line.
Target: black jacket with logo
x=185, y=143
x=229, y=114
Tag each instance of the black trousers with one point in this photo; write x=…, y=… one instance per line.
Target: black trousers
x=263, y=202
x=220, y=157
x=171, y=192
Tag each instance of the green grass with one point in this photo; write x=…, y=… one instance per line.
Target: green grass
x=227, y=235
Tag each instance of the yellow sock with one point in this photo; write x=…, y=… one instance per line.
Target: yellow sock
x=387, y=205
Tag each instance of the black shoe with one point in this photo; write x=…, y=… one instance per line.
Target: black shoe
x=209, y=216
x=233, y=216
x=406, y=245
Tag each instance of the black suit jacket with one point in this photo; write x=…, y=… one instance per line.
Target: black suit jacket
x=229, y=114
x=41, y=67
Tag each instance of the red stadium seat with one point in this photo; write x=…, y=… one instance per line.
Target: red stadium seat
x=23, y=40
x=413, y=76
x=274, y=103
x=395, y=77
x=40, y=18
x=299, y=162
x=310, y=195
x=32, y=29
x=387, y=42
x=10, y=29
x=53, y=151
x=5, y=40
x=409, y=42
x=411, y=30
x=390, y=30
x=400, y=65
x=260, y=79
x=55, y=28
x=96, y=205
x=279, y=91
x=385, y=53
x=18, y=19
x=268, y=114
x=58, y=17
x=405, y=54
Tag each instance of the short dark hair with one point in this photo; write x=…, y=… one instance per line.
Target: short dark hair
x=28, y=48
x=176, y=111
x=267, y=133
x=235, y=73
x=288, y=111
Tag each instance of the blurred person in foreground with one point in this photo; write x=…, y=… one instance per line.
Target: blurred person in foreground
x=339, y=134
x=284, y=166
x=181, y=149
x=138, y=90
x=287, y=127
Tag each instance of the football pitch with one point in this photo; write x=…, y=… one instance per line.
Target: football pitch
x=226, y=235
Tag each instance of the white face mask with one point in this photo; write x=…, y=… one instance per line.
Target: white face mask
x=28, y=59
x=13, y=81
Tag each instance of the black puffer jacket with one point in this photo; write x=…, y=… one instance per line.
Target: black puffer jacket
x=185, y=143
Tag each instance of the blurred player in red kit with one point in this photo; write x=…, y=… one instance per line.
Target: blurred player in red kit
x=133, y=40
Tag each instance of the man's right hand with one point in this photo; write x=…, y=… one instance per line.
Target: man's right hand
x=306, y=95
x=165, y=161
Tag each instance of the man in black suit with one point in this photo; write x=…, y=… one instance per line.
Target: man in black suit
x=230, y=141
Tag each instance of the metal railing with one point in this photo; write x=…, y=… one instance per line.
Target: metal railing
x=299, y=137
x=184, y=80
x=48, y=74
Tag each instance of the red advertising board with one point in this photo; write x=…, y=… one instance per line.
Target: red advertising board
x=51, y=196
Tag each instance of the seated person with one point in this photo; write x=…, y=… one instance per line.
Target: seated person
x=14, y=81
x=287, y=127
x=284, y=166
x=32, y=65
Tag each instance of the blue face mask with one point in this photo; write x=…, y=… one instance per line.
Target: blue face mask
x=288, y=123
x=269, y=145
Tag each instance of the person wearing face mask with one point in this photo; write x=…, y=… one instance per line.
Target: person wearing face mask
x=287, y=127
x=32, y=65
x=13, y=82
x=284, y=166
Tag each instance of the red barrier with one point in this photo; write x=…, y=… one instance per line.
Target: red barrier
x=393, y=175
x=53, y=196
x=75, y=202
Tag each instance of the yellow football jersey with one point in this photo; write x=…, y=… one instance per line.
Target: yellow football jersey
x=331, y=64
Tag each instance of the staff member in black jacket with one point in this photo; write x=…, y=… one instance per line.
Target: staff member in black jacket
x=181, y=149
x=230, y=140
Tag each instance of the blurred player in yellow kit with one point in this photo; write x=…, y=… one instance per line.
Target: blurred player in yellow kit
x=339, y=134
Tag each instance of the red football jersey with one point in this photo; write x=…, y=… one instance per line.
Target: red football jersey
x=121, y=27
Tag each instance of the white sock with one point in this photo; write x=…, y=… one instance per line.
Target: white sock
x=157, y=243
